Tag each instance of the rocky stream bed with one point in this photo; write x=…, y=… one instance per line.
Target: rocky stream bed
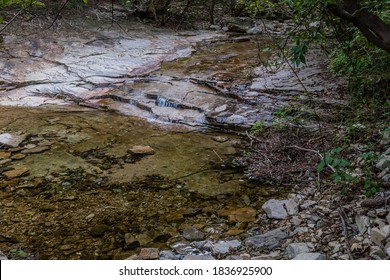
x=121, y=145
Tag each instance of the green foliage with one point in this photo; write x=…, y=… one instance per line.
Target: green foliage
x=299, y=53
x=257, y=128
x=18, y=254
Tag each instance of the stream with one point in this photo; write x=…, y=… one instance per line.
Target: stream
x=122, y=140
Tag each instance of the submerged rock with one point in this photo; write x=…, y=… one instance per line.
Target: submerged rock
x=142, y=150
x=98, y=230
x=239, y=215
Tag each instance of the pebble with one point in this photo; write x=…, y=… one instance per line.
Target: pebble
x=142, y=150
x=378, y=235
x=224, y=247
x=131, y=242
x=168, y=255
x=3, y=257
x=362, y=223
x=98, y=230
x=149, y=254
x=18, y=156
x=308, y=204
x=193, y=234
x=377, y=254
x=90, y=217
x=310, y=256
x=275, y=209
x=294, y=249
x=198, y=258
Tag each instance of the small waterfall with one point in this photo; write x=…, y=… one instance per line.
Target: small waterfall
x=164, y=102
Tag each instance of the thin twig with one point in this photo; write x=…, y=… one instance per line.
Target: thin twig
x=218, y=156
x=314, y=151
x=343, y=218
x=13, y=18
x=58, y=14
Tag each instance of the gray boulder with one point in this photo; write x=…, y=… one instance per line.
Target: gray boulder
x=239, y=24
x=280, y=209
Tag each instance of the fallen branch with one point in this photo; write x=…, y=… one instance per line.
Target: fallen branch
x=343, y=218
x=376, y=202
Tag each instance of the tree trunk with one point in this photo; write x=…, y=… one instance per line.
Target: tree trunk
x=212, y=8
x=373, y=28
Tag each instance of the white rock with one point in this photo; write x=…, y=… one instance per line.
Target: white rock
x=387, y=248
x=275, y=209
x=295, y=249
x=198, y=257
x=254, y=30
x=362, y=222
x=296, y=221
x=215, y=27
x=376, y=253
x=11, y=140
x=307, y=204
x=221, y=108
x=224, y=247
x=3, y=257
x=310, y=256
x=300, y=230
x=291, y=207
x=380, y=234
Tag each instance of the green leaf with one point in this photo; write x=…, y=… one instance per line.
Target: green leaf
x=85, y=1
x=39, y=3
x=1, y=20
x=321, y=166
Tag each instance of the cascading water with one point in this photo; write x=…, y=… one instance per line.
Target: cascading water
x=164, y=102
